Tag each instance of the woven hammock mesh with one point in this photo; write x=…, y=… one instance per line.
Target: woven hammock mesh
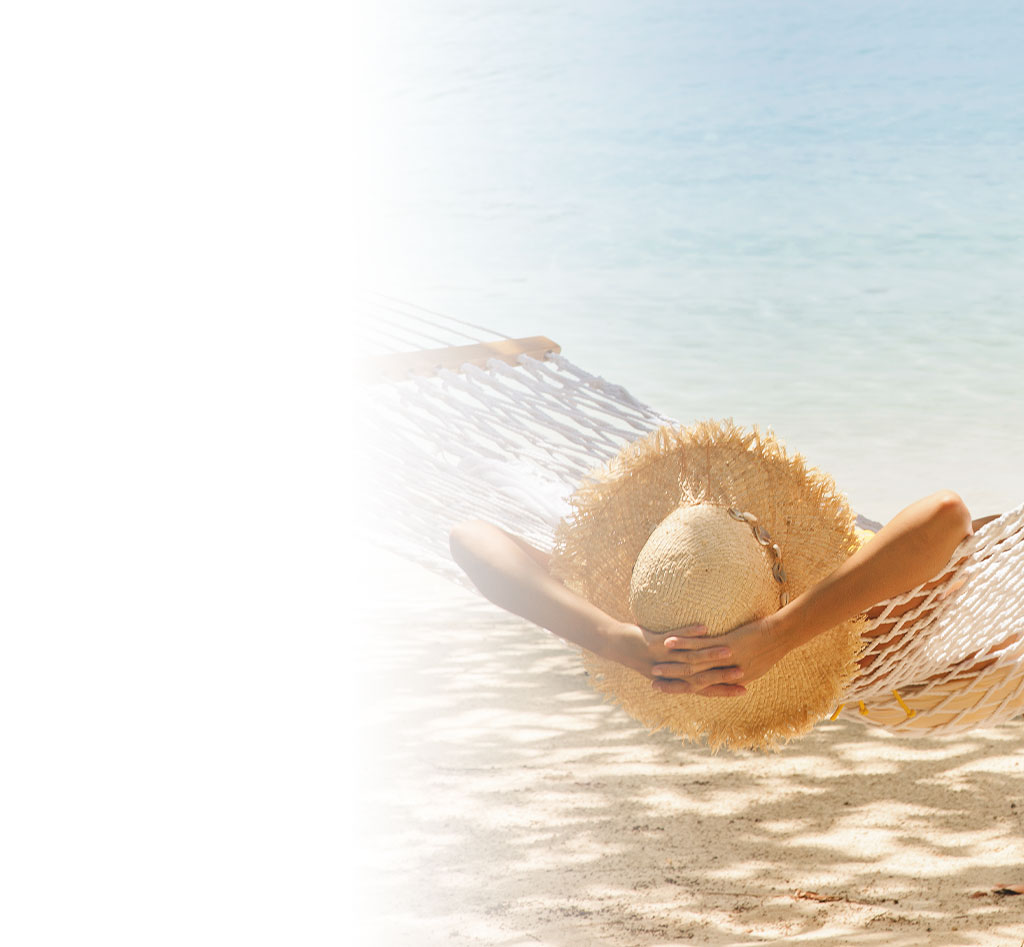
x=510, y=443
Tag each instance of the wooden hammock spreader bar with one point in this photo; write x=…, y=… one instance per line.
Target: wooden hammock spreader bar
x=430, y=361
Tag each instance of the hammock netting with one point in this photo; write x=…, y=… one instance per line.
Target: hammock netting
x=508, y=439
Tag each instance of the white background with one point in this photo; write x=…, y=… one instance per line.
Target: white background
x=173, y=363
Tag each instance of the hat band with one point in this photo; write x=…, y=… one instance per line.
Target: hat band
x=762, y=536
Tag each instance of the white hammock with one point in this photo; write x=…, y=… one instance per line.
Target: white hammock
x=509, y=438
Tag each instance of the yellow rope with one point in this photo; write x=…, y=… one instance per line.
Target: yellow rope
x=899, y=700
x=864, y=710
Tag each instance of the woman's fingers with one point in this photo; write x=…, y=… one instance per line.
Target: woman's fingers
x=685, y=663
x=686, y=639
x=714, y=690
x=669, y=681
x=692, y=669
x=723, y=690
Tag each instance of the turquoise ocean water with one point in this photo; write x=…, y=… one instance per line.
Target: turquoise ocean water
x=804, y=215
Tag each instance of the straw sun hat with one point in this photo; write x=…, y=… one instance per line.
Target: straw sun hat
x=714, y=525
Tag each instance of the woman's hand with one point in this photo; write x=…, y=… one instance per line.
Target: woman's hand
x=514, y=575
x=685, y=659
x=752, y=648
x=911, y=549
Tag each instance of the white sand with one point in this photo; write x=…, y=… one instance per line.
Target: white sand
x=503, y=803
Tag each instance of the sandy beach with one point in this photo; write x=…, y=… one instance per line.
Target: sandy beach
x=502, y=802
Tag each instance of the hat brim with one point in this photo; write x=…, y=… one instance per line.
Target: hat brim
x=620, y=505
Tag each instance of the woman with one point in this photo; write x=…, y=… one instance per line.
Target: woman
x=911, y=549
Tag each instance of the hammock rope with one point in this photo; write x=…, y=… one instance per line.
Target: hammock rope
x=509, y=439
x=504, y=442
x=956, y=656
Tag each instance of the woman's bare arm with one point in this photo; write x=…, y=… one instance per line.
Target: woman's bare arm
x=513, y=574
x=907, y=552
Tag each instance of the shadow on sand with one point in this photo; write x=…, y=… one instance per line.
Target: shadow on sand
x=503, y=802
